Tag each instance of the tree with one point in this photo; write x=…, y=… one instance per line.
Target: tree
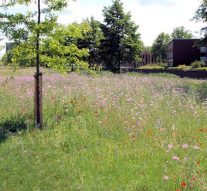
x=19, y=27
x=92, y=41
x=27, y=30
x=181, y=33
x=201, y=15
x=159, y=47
x=147, y=49
x=121, y=42
x=61, y=47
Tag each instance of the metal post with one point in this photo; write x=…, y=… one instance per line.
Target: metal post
x=38, y=100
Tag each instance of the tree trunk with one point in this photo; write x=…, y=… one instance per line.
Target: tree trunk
x=38, y=77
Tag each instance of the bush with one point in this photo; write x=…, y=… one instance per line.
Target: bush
x=152, y=67
x=182, y=67
x=201, y=69
x=164, y=65
x=11, y=126
x=197, y=64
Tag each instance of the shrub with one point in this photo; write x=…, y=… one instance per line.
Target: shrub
x=181, y=67
x=11, y=126
x=152, y=67
x=164, y=65
x=201, y=69
x=197, y=64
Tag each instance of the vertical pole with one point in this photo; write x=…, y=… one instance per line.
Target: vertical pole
x=38, y=78
x=38, y=100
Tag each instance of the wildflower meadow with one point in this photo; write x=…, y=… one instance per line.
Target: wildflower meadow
x=105, y=132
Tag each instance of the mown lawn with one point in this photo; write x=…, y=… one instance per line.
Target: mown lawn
x=113, y=132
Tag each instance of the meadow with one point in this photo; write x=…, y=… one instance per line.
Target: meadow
x=103, y=133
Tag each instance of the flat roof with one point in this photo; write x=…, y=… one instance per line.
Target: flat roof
x=184, y=39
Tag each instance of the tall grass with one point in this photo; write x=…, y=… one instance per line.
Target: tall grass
x=114, y=132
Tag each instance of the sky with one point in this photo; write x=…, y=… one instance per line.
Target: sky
x=152, y=16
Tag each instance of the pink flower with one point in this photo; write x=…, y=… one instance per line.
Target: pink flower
x=185, y=146
x=165, y=178
x=175, y=157
x=170, y=146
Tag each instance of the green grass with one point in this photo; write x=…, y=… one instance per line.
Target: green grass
x=112, y=132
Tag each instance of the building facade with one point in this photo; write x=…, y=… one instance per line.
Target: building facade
x=147, y=58
x=185, y=51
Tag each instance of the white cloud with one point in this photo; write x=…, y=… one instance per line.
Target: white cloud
x=156, y=18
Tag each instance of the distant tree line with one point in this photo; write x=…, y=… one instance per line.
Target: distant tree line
x=112, y=43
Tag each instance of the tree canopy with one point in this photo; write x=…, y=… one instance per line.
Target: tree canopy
x=159, y=47
x=114, y=42
x=61, y=47
x=181, y=33
x=26, y=33
x=121, y=42
x=92, y=40
x=201, y=15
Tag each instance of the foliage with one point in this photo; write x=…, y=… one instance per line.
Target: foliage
x=58, y=50
x=197, y=64
x=159, y=47
x=152, y=66
x=147, y=49
x=91, y=41
x=4, y=59
x=23, y=55
x=201, y=15
x=62, y=47
x=121, y=42
x=28, y=35
x=201, y=69
x=197, y=67
x=115, y=42
x=11, y=126
x=17, y=27
x=181, y=33
x=182, y=67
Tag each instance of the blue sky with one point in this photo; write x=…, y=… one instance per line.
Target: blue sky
x=152, y=16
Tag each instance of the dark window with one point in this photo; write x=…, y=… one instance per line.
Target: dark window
x=203, y=54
